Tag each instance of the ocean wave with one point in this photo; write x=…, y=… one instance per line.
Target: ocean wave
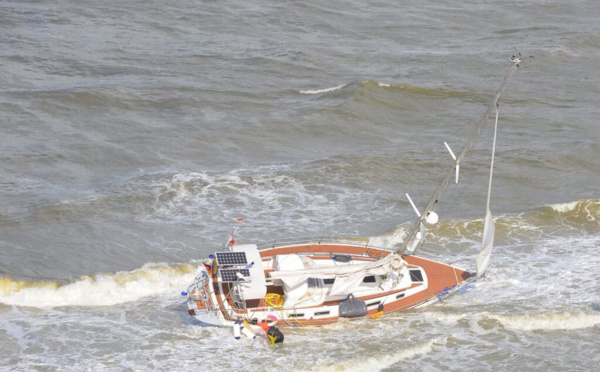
x=533, y=321
x=97, y=290
x=106, y=97
x=571, y=217
x=588, y=209
x=415, y=89
x=188, y=195
x=382, y=361
x=324, y=90
x=270, y=199
x=407, y=88
x=391, y=239
x=548, y=321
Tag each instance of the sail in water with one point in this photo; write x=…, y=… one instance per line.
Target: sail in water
x=489, y=228
x=483, y=258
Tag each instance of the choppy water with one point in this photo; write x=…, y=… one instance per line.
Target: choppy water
x=134, y=134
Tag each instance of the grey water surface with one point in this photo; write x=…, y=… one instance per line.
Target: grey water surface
x=133, y=134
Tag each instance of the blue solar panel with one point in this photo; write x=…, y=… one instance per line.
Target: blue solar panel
x=231, y=275
x=231, y=258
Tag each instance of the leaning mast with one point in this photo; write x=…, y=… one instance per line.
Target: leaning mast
x=416, y=234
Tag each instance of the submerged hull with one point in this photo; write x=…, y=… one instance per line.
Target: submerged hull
x=214, y=300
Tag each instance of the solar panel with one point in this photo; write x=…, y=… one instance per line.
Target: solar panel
x=231, y=258
x=230, y=275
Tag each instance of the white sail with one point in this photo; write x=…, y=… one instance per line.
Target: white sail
x=483, y=258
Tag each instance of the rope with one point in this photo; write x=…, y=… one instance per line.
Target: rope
x=275, y=300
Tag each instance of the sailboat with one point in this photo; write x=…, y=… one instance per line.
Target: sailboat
x=317, y=282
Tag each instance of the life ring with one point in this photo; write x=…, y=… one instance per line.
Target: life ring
x=272, y=318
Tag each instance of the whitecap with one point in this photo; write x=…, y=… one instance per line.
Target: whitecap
x=548, y=321
x=326, y=90
x=99, y=290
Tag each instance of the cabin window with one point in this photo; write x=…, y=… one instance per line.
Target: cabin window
x=399, y=295
x=322, y=313
x=416, y=275
x=328, y=281
x=374, y=303
x=369, y=279
x=295, y=315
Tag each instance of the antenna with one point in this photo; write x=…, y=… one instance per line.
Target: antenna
x=453, y=157
x=413, y=204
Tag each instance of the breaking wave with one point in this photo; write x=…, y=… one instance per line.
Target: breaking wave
x=97, y=290
x=415, y=89
x=584, y=210
x=548, y=322
x=407, y=88
x=379, y=362
x=186, y=196
x=325, y=90
x=153, y=279
x=534, y=321
x=269, y=199
x=564, y=219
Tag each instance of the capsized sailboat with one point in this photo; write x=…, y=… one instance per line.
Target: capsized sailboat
x=317, y=282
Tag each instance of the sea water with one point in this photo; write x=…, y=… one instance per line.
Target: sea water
x=135, y=135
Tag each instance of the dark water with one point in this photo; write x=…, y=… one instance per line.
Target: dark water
x=134, y=134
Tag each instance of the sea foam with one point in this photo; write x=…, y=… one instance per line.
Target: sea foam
x=381, y=361
x=548, y=321
x=97, y=290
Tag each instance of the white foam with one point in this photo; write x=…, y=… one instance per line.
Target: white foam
x=104, y=289
x=390, y=239
x=548, y=321
x=326, y=90
x=191, y=194
x=267, y=199
x=587, y=208
x=379, y=362
x=565, y=207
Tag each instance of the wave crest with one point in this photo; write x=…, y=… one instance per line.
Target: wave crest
x=587, y=209
x=324, y=90
x=572, y=217
x=381, y=361
x=415, y=89
x=548, y=322
x=97, y=290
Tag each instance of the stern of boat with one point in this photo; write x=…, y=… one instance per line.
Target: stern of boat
x=200, y=300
